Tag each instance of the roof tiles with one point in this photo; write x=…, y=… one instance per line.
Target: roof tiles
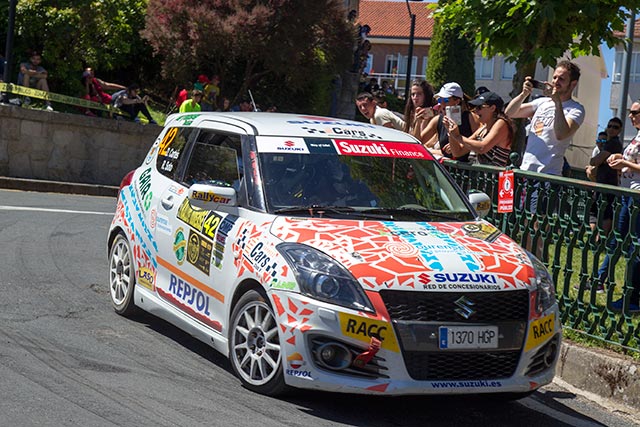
x=391, y=18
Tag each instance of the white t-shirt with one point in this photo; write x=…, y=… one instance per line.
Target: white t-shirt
x=544, y=152
x=382, y=116
x=629, y=178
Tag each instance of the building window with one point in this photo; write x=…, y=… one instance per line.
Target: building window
x=391, y=64
x=508, y=70
x=634, y=72
x=484, y=68
x=402, y=69
x=425, y=63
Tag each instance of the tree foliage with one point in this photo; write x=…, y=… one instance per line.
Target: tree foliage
x=278, y=48
x=71, y=34
x=526, y=31
x=451, y=59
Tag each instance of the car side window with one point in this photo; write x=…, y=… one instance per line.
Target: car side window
x=171, y=149
x=215, y=159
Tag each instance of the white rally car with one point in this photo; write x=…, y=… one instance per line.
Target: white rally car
x=329, y=254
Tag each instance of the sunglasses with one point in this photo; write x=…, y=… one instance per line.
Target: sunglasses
x=614, y=126
x=480, y=107
x=634, y=112
x=600, y=141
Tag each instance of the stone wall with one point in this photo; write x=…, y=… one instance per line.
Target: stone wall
x=70, y=147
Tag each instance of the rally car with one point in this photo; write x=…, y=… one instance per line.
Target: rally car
x=329, y=254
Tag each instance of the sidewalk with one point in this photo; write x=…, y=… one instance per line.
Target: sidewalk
x=608, y=378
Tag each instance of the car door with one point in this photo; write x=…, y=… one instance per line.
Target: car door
x=188, y=261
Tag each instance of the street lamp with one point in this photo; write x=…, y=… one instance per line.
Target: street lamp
x=407, y=84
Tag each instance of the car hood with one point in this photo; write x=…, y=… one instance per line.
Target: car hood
x=452, y=256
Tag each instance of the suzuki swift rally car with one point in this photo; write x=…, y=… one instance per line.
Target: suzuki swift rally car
x=329, y=254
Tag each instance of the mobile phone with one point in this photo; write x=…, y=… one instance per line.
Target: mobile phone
x=454, y=113
x=537, y=84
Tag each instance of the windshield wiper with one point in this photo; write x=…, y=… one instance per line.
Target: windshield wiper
x=321, y=210
x=415, y=212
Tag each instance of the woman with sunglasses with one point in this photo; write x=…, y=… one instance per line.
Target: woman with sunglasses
x=492, y=141
x=435, y=136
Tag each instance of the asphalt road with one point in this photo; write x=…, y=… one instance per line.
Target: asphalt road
x=66, y=359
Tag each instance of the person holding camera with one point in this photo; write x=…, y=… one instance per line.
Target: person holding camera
x=555, y=118
x=130, y=101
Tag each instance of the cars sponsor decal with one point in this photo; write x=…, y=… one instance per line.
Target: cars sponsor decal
x=278, y=144
x=179, y=245
x=209, y=196
x=201, y=220
x=382, y=149
x=482, y=230
x=295, y=361
x=146, y=278
x=363, y=329
x=540, y=330
x=314, y=120
x=190, y=299
x=221, y=239
x=199, y=252
x=263, y=257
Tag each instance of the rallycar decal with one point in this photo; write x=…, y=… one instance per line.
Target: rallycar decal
x=363, y=329
x=540, y=330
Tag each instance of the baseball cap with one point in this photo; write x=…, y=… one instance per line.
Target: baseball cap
x=450, y=89
x=488, y=98
x=203, y=79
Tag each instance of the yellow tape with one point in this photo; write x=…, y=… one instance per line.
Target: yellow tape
x=64, y=99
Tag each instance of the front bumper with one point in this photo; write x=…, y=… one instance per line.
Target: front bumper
x=404, y=362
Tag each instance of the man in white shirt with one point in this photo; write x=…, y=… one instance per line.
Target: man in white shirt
x=376, y=114
x=555, y=118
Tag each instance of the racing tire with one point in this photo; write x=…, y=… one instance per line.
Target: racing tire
x=122, y=276
x=254, y=345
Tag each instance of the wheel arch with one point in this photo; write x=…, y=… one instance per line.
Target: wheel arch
x=112, y=236
x=244, y=287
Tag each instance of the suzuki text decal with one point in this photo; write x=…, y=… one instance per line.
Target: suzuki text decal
x=382, y=149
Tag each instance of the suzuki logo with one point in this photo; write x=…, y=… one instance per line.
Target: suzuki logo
x=289, y=143
x=465, y=307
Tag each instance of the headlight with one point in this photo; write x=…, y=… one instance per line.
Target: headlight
x=322, y=278
x=545, y=289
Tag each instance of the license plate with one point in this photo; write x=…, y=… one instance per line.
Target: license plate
x=464, y=337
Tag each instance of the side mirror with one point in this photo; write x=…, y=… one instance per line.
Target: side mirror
x=211, y=197
x=480, y=202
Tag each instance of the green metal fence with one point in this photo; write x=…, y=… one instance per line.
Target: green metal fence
x=557, y=229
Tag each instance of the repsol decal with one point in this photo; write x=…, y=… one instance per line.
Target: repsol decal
x=189, y=295
x=363, y=329
x=540, y=330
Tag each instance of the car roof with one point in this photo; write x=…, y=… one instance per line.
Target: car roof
x=290, y=125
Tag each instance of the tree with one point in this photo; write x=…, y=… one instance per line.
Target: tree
x=72, y=34
x=281, y=48
x=451, y=59
x=526, y=31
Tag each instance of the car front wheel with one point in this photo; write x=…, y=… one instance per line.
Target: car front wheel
x=254, y=345
x=121, y=276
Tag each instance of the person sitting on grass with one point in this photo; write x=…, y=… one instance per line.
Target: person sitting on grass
x=129, y=101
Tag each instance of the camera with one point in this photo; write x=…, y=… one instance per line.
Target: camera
x=537, y=84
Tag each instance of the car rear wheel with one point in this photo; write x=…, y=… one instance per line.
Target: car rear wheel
x=121, y=276
x=254, y=345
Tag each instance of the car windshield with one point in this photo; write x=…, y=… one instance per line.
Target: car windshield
x=374, y=184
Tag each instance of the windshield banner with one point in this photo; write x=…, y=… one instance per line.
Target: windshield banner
x=350, y=147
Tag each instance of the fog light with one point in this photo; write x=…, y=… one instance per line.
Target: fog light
x=550, y=353
x=334, y=356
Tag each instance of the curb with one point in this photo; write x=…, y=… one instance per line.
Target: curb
x=57, y=187
x=610, y=379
